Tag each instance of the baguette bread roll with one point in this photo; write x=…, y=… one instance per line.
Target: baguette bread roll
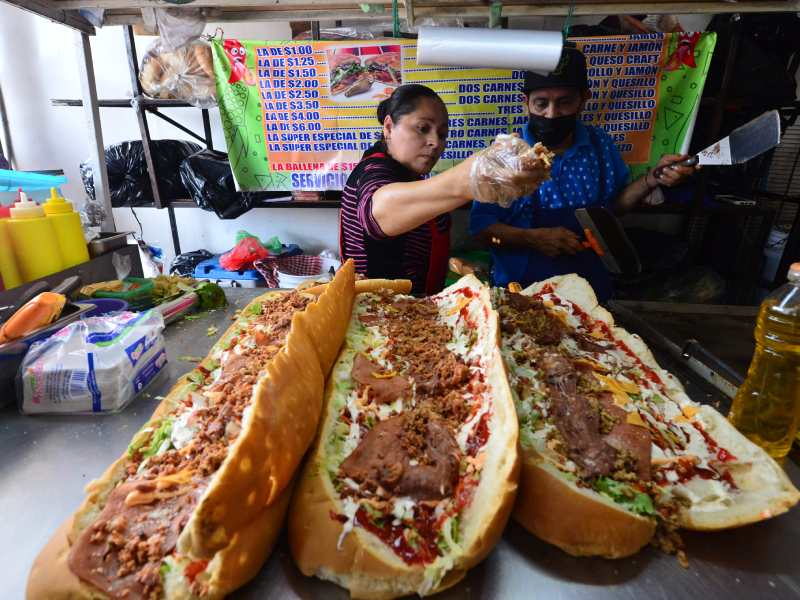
x=194, y=507
x=432, y=517
x=588, y=394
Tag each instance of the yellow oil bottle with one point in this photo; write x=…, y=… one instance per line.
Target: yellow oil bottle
x=8, y=262
x=767, y=406
x=69, y=233
x=33, y=239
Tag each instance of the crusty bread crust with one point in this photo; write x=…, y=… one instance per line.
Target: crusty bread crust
x=398, y=286
x=240, y=514
x=579, y=521
x=363, y=564
x=764, y=488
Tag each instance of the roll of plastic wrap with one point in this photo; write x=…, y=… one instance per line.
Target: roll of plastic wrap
x=489, y=48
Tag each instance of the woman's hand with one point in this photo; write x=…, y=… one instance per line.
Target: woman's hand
x=672, y=173
x=508, y=169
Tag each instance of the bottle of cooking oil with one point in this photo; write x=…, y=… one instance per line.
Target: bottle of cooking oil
x=767, y=407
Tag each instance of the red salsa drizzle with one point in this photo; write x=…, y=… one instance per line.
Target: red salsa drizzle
x=193, y=569
x=479, y=435
x=722, y=454
x=424, y=549
x=687, y=469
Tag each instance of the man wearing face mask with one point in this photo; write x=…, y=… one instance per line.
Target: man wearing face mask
x=538, y=236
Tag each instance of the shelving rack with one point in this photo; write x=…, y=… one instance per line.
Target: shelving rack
x=132, y=12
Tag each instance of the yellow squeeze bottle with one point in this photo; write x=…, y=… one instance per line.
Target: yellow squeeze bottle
x=69, y=232
x=8, y=262
x=33, y=239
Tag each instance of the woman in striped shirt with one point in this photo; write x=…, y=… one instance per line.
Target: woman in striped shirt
x=394, y=222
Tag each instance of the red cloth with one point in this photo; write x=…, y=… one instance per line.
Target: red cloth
x=301, y=264
x=440, y=252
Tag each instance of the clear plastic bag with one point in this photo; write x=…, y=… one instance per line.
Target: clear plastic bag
x=96, y=365
x=179, y=26
x=185, y=73
x=509, y=169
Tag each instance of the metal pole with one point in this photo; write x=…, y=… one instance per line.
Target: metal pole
x=207, y=129
x=141, y=116
x=91, y=111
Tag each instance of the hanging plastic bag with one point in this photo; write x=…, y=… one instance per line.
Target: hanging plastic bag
x=179, y=26
x=184, y=264
x=242, y=256
x=186, y=73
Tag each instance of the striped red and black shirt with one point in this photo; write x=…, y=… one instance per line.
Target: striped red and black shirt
x=376, y=255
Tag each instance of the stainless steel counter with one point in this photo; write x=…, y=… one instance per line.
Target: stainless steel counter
x=46, y=461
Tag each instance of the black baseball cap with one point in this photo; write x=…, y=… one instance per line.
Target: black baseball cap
x=570, y=72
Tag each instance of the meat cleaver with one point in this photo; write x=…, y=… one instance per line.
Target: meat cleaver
x=748, y=141
x=606, y=237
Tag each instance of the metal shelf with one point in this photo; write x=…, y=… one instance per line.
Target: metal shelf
x=124, y=103
x=129, y=12
x=286, y=204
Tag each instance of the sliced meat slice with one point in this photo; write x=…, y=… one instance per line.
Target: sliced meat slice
x=413, y=454
x=121, y=550
x=558, y=372
x=385, y=387
x=627, y=439
x=578, y=422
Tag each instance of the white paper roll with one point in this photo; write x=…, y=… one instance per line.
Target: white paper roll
x=489, y=48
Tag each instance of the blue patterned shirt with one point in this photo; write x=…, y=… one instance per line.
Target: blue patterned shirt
x=590, y=173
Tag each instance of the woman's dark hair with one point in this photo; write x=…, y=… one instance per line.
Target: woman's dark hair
x=404, y=100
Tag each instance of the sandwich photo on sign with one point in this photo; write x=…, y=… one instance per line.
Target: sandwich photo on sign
x=364, y=72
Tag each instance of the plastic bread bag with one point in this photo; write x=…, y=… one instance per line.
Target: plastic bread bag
x=509, y=169
x=91, y=366
x=186, y=73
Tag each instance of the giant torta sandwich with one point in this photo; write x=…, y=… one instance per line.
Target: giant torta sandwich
x=414, y=471
x=612, y=448
x=194, y=506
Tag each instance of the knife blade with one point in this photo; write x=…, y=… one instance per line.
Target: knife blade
x=744, y=143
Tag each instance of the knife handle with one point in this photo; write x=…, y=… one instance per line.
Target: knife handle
x=692, y=161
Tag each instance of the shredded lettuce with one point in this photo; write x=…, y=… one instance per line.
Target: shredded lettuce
x=255, y=309
x=164, y=570
x=160, y=437
x=624, y=495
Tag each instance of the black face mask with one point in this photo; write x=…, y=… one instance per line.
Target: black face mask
x=551, y=132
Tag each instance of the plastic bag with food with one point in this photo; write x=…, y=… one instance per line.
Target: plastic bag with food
x=186, y=73
x=508, y=169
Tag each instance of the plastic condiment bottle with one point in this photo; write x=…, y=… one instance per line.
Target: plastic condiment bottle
x=767, y=406
x=69, y=232
x=8, y=262
x=33, y=238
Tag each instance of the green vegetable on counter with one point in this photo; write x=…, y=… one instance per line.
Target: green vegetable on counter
x=210, y=296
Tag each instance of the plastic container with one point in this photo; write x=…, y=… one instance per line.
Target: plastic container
x=33, y=238
x=136, y=291
x=69, y=233
x=211, y=270
x=767, y=406
x=290, y=280
x=9, y=272
x=103, y=306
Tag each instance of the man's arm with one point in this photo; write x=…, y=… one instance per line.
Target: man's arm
x=633, y=193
